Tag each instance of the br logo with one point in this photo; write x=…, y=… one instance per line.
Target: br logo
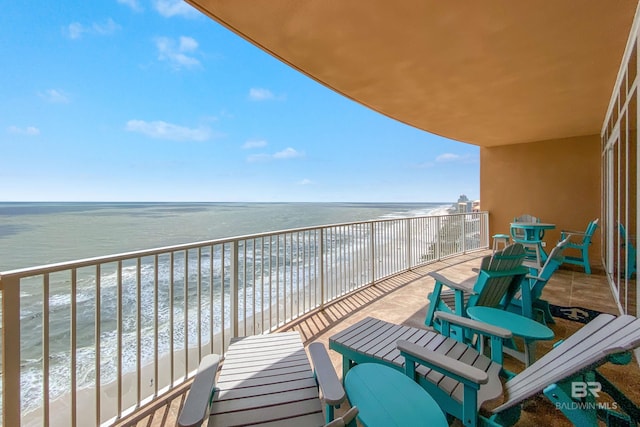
x=583, y=389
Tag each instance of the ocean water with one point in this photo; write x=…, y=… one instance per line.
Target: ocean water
x=33, y=234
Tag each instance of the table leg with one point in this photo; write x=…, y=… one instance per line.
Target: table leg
x=529, y=352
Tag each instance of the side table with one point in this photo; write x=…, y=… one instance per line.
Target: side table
x=520, y=326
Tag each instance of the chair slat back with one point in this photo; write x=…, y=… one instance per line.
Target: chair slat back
x=518, y=233
x=582, y=351
x=554, y=261
x=500, y=275
x=591, y=228
x=526, y=218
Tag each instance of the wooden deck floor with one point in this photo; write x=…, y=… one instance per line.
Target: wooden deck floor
x=403, y=299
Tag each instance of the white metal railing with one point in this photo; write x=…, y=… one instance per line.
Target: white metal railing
x=89, y=341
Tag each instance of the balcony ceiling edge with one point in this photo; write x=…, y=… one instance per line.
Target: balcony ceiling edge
x=488, y=74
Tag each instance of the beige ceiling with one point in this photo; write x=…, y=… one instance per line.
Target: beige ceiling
x=485, y=72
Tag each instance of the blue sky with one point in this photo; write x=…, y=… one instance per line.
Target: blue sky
x=149, y=100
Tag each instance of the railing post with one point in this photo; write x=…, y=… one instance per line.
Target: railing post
x=408, y=228
x=321, y=267
x=464, y=233
x=233, y=289
x=372, y=252
x=486, y=229
x=438, y=237
x=10, y=351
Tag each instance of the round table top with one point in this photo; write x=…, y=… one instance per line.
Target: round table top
x=518, y=325
x=387, y=397
x=539, y=225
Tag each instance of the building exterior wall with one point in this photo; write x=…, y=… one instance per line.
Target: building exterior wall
x=557, y=181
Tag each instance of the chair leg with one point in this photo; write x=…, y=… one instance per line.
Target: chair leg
x=434, y=299
x=543, y=306
x=585, y=260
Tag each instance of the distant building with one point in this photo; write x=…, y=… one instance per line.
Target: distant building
x=464, y=205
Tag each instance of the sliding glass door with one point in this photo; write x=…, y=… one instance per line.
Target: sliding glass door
x=619, y=186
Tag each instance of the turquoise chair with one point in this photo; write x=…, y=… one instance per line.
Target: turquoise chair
x=498, y=280
x=461, y=379
x=575, y=360
x=582, y=245
x=630, y=250
x=528, y=301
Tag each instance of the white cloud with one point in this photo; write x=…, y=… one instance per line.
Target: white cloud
x=457, y=158
x=305, y=182
x=55, y=96
x=76, y=30
x=133, y=4
x=29, y=130
x=170, y=8
x=254, y=144
x=163, y=130
x=106, y=28
x=178, y=53
x=259, y=94
x=447, y=157
x=287, y=153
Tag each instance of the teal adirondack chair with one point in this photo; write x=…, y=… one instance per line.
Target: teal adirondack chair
x=605, y=339
x=461, y=379
x=580, y=240
x=528, y=301
x=630, y=250
x=497, y=282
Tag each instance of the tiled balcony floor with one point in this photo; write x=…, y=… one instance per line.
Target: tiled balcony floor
x=402, y=299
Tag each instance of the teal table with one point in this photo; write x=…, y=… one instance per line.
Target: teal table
x=528, y=329
x=386, y=397
x=532, y=232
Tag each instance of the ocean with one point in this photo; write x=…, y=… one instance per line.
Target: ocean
x=33, y=234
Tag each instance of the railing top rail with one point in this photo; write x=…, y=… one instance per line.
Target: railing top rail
x=105, y=259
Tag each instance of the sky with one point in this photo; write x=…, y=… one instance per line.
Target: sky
x=150, y=100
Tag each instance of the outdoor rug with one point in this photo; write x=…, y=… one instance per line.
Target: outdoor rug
x=577, y=314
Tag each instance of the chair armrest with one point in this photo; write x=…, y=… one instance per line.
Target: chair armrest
x=326, y=376
x=444, y=364
x=450, y=283
x=196, y=407
x=582, y=233
x=473, y=325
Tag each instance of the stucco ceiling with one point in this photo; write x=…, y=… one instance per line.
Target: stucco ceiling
x=487, y=73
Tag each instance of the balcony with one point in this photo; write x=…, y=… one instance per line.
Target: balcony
x=402, y=299
x=157, y=312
